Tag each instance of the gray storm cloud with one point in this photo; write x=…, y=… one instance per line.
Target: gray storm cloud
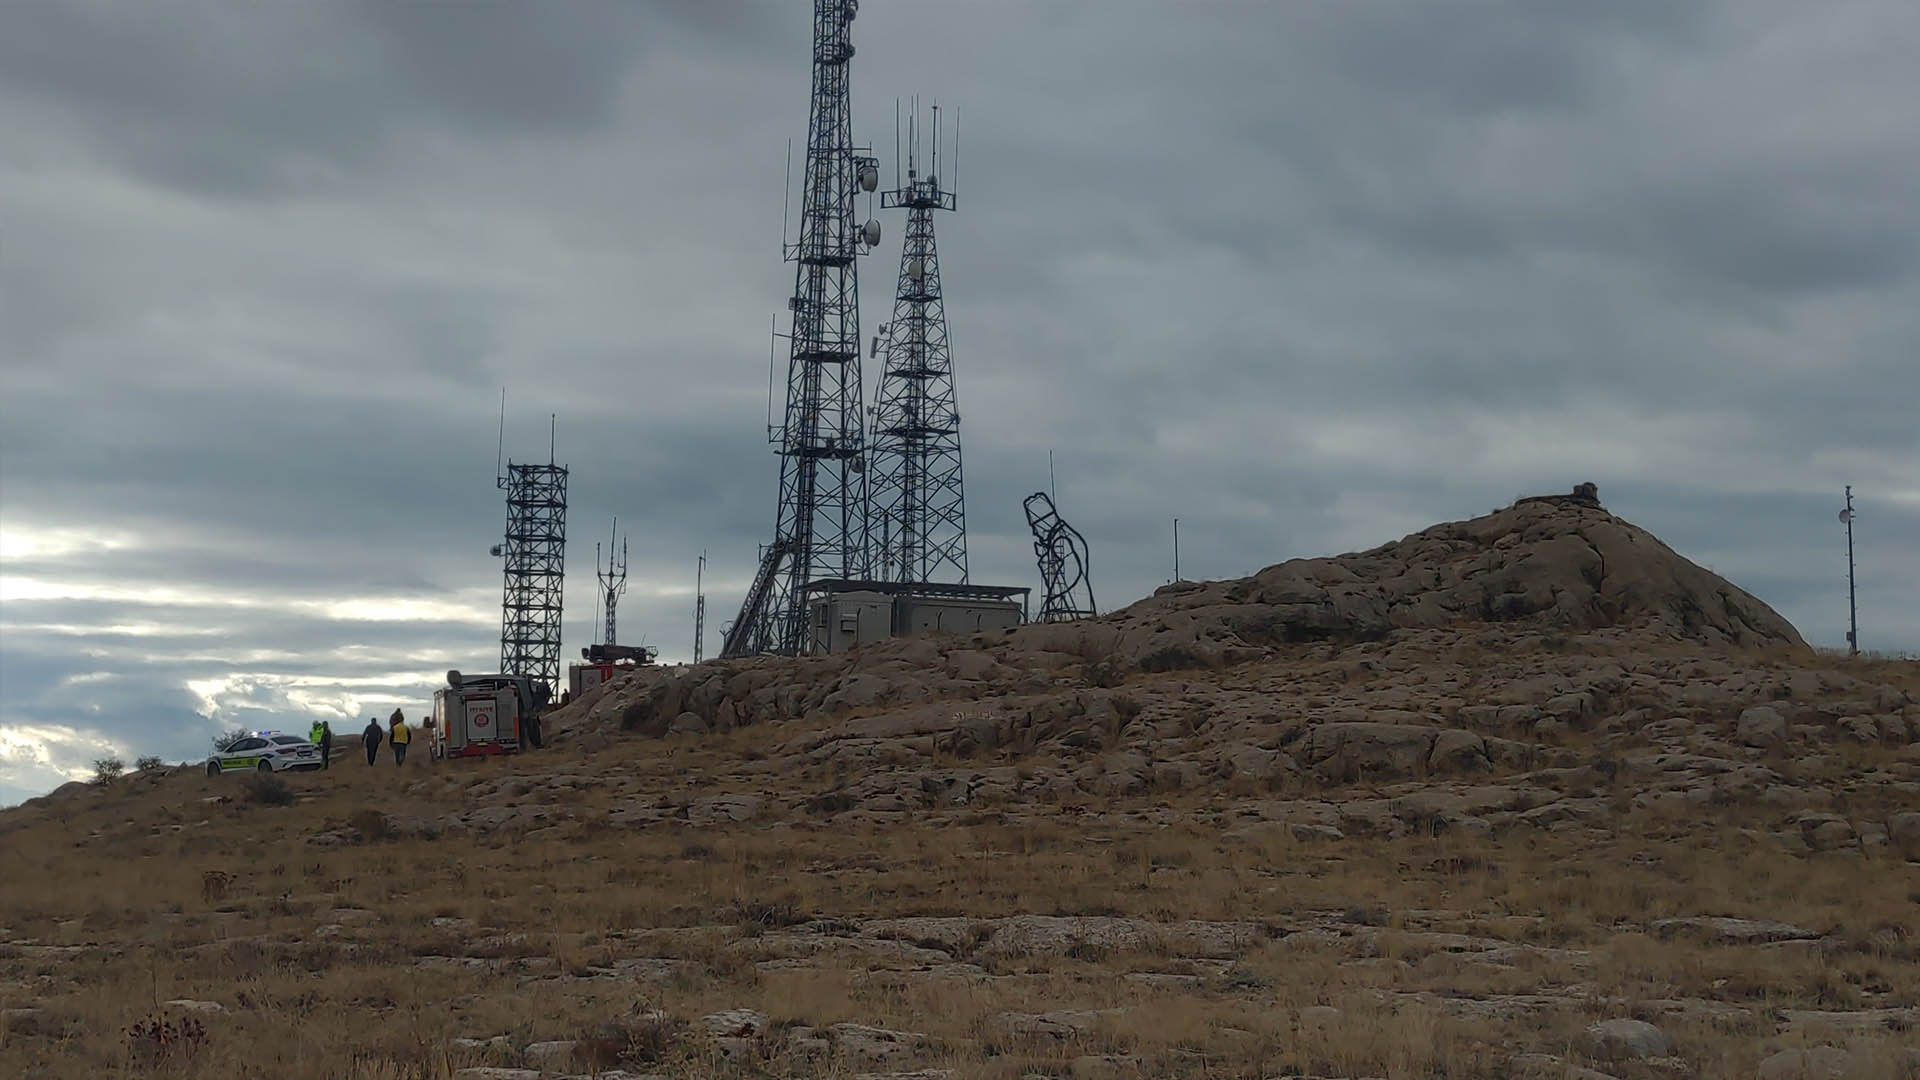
x=1306, y=276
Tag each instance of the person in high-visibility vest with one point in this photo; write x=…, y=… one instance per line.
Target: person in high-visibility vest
x=398, y=736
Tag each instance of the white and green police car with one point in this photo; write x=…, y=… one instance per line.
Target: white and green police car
x=265, y=751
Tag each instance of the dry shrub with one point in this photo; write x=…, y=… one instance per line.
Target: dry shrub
x=369, y=826
x=266, y=789
x=160, y=1040
x=644, y=1039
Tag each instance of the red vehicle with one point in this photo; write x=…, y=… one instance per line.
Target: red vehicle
x=487, y=715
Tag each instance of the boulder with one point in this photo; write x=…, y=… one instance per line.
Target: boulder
x=1813, y=1063
x=1903, y=832
x=875, y=1045
x=689, y=723
x=734, y=1023
x=1456, y=751
x=547, y=1055
x=1624, y=1040
x=1058, y=1026
x=1348, y=751
x=1829, y=835
x=1761, y=726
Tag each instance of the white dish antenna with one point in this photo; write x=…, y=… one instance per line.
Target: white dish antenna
x=869, y=178
x=871, y=232
x=916, y=269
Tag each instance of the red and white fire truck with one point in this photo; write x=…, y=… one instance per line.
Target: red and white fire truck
x=486, y=715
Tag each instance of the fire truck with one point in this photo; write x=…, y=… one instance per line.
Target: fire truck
x=487, y=715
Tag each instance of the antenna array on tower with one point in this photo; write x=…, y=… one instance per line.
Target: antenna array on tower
x=821, y=527
x=613, y=580
x=917, y=516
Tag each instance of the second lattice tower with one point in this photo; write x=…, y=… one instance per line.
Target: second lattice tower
x=916, y=515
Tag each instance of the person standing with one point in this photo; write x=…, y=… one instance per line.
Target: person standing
x=326, y=745
x=370, y=739
x=313, y=733
x=399, y=735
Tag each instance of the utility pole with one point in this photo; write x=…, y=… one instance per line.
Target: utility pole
x=1176, y=550
x=1853, y=615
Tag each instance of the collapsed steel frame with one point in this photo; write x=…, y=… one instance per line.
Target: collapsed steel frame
x=1062, y=552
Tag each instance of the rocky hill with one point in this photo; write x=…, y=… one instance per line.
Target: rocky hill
x=1523, y=796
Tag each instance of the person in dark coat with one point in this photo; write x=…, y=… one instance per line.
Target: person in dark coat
x=326, y=745
x=370, y=739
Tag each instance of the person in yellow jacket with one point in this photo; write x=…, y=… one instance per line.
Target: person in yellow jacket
x=398, y=736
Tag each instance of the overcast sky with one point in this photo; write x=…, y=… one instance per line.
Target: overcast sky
x=1308, y=276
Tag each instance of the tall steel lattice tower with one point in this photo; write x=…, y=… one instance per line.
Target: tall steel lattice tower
x=535, y=553
x=821, y=528
x=918, y=518
x=613, y=580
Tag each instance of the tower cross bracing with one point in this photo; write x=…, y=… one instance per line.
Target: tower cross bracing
x=535, y=571
x=820, y=530
x=918, y=519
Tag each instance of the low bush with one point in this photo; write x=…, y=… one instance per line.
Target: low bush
x=370, y=826
x=267, y=789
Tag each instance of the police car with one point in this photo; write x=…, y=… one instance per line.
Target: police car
x=265, y=751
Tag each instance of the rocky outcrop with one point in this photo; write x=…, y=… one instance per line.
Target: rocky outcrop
x=1557, y=564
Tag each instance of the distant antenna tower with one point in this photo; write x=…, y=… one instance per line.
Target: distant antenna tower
x=535, y=553
x=1853, y=612
x=918, y=503
x=820, y=530
x=613, y=580
x=700, y=609
x=1063, y=562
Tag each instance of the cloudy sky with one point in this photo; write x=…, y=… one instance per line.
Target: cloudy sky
x=1308, y=276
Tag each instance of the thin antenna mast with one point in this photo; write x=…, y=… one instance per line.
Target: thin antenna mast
x=613, y=580
x=1853, y=613
x=1053, y=484
x=700, y=609
x=1176, y=550
x=773, y=340
x=500, y=448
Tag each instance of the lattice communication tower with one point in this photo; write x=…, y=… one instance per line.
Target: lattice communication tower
x=820, y=530
x=918, y=518
x=535, y=553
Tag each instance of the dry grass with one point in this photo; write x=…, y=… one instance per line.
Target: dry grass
x=229, y=901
